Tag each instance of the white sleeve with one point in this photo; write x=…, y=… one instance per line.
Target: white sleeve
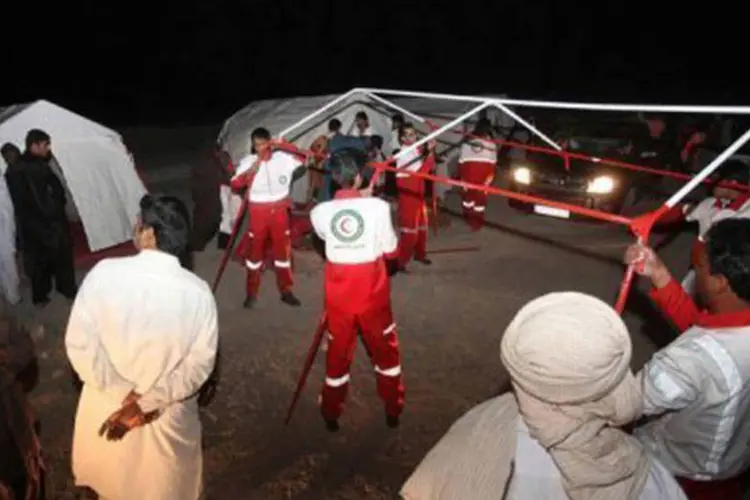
x=190, y=374
x=704, y=214
x=464, y=153
x=293, y=162
x=703, y=210
x=388, y=239
x=672, y=379
x=317, y=216
x=83, y=344
x=244, y=165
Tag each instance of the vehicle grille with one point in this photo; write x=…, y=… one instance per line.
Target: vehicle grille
x=561, y=182
x=563, y=196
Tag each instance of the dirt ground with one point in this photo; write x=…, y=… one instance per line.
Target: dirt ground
x=450, y=318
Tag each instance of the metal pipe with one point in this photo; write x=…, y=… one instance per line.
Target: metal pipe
x=646, y=108
x=318, y=112
x=398, y=108
x=505, y=109
x=441, y=130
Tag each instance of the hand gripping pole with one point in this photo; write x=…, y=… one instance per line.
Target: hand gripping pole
x=642, y=226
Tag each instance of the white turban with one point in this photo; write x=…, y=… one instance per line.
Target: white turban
x=568, y=355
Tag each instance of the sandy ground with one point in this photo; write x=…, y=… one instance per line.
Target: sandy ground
x=450, y=318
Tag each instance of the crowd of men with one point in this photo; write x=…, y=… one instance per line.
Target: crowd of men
x=578, y=423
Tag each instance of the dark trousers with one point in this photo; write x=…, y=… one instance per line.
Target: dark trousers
x=43, y=265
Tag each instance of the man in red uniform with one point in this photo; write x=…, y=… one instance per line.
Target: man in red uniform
x=725, y=203
x=477, y=165
x=697, y=389
x=412, y=211
x=358, y=234
x=268, y=176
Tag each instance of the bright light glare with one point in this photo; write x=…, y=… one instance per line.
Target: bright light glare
x=522, y=175
x=601, y=185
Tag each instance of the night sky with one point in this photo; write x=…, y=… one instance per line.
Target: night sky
x=199, y=61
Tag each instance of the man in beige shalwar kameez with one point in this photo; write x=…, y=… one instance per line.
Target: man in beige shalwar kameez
x=556, y=437
x=142, y=337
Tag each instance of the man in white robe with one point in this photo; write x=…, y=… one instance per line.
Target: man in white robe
x=143, y=336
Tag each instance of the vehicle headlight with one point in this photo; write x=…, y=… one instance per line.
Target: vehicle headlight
x=522, y=175
x=601, y=185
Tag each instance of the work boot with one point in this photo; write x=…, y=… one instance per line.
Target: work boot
x=249, y=302
x=288, y=298
x=393, y=268
x=392, y=421
x=331, y=425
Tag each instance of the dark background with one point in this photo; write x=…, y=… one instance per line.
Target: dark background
x=172, y=63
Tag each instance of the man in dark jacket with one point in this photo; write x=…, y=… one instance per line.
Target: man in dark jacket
x=39, y=201
x=206, y=180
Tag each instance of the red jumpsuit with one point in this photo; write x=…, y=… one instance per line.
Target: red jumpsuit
x=268, y=210
x=412, y=211
x=358, y=235
x=477, y=166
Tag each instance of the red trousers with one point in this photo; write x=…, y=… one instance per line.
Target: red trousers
x=727, y=489
x=381, y=342
x=269, y=221
x=475, y=202
x=412, y=219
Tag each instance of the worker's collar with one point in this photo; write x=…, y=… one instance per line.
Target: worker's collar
x=736, y=319
x=158, y=257
x=734, y=204
x=343, y=194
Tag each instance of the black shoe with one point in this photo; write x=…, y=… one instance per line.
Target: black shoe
x=393, y=268
x=392, y=421
x=289, y=299
x=331, y=425
x=425, y=261
x=249, y=302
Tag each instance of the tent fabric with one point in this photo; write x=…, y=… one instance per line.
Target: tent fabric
x=9, y=280
x=278, y=114
x=97, y=168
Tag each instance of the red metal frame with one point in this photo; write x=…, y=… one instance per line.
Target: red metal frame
x=640, y=226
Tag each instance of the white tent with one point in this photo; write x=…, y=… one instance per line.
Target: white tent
x=282, y=115
x=96, y=167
